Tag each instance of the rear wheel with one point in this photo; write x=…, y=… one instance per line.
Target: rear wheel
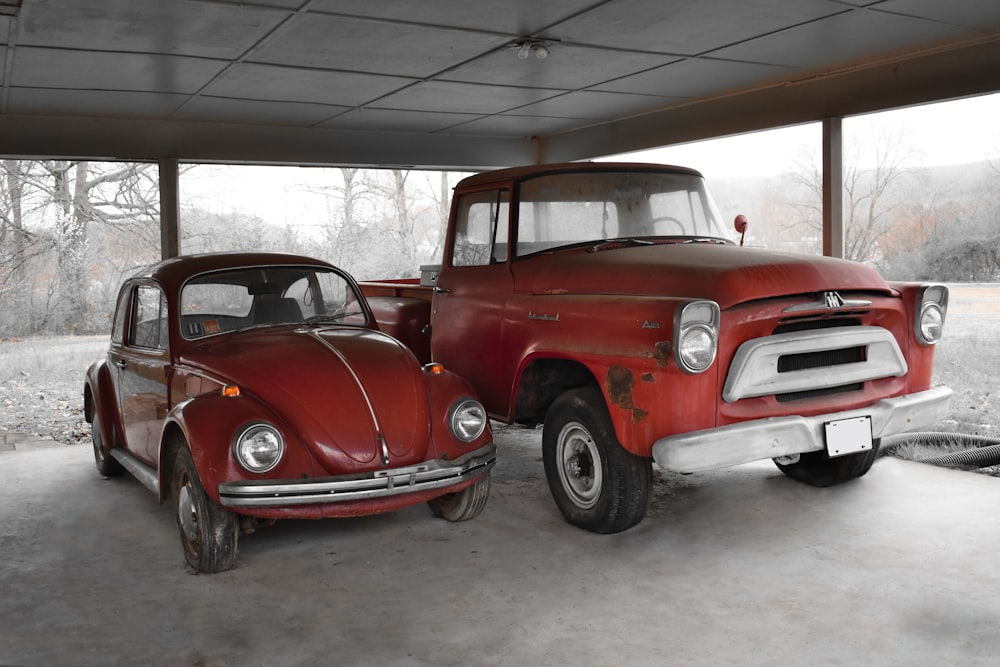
x=208, y=531
x=465, y=504
x=106, y=465
x=597, y=484
x=819, y=469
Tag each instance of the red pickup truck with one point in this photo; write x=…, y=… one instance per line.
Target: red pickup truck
x=607, y=302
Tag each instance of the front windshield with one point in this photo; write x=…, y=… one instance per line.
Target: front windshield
x=579, y=207
x=242, y=298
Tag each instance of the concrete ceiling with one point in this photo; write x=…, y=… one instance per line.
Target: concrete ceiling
x=436, y=83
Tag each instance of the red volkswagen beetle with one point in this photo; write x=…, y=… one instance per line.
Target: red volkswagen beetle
x=257, y=386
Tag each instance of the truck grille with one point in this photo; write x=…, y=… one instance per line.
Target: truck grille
x=802, y=360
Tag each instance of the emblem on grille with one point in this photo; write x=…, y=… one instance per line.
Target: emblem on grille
x=833, y=300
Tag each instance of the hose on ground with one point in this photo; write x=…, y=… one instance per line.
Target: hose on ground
x=982, y=452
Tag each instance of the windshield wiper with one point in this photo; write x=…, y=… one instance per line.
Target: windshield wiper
x=331, y=317
x=601, y=245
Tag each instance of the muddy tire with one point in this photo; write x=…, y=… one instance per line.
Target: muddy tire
x=209, y=532
x=818, y=469
x=106, y=465
x=597, y=484
x=465, y=504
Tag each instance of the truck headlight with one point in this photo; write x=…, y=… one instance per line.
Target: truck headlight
x=696, y=330
x=931, y=311
x=467, y=419
x=259, y=447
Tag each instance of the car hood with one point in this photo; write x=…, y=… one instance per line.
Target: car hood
x=337, y=388
x=726, y=274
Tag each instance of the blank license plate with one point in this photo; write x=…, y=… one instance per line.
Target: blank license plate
x=848, y=436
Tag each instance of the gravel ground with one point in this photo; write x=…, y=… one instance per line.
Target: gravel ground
x=41, y=387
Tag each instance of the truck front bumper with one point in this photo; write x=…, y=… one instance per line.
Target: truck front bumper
x=783, y=436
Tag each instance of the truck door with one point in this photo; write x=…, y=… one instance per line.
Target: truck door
x=471, y=296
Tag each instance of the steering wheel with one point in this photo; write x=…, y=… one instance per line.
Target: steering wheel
x=672, y=220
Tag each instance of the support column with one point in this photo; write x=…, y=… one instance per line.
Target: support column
x=170, y=212
x=833, y=187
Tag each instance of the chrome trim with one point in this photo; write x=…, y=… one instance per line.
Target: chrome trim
x=435, y=474
x=754, y=369
x=829, y=301
x=142, y=472
x=783, y=436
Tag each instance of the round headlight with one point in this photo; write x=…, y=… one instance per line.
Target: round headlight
x=467, y=419
x=697, y=348
x=931, y=322
x=259, y=447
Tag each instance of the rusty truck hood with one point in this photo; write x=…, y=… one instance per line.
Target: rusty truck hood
x=335, y=388
x=726, y=274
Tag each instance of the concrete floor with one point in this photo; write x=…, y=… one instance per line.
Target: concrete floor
x=736, y=567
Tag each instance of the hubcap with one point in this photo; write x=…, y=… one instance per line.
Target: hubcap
x=579, y=465
x=187, y=513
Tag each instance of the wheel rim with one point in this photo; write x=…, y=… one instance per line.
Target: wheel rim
x=579, y=464
x=187, y=512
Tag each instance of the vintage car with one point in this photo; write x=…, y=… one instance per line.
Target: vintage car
x=258, y=386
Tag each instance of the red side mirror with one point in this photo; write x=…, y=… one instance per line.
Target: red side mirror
x=741, y=223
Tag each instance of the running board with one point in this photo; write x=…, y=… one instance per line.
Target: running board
x=139, y=470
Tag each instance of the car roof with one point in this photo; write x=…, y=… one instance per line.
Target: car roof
x=172, y=273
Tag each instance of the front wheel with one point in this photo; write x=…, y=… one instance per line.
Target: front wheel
x=819, y=469
x=465, y=504
x=208, y=531
x=597, y=484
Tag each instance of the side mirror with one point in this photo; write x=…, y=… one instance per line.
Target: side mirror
x=741, y=223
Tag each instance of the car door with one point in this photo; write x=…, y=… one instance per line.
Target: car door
x=471, y=296
x=139, y=366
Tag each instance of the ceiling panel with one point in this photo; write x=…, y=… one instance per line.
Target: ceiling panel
x=439, y=84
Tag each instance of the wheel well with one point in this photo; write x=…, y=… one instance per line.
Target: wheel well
x=542, y=382
x=173, y=439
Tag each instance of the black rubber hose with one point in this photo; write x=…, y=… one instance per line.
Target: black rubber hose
x=983, y=451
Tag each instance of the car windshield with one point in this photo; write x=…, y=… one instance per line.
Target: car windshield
x=576, y=208
x=248, y=297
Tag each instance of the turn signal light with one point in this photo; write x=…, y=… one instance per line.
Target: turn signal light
x=231, y=391
x=434, y=368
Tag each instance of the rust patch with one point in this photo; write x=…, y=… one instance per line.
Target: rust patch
x=621, y=381
x=664, y=351
x=648, y=377
x=620, y=384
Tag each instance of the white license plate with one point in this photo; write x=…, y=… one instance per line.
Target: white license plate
x=848, y=436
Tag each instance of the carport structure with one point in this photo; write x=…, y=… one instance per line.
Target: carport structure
x=466, y=83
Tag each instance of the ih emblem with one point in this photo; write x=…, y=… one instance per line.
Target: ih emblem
x=833, y=300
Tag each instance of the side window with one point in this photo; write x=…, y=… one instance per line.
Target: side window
x=481, y=228
x=149, y=321
x=118, y=327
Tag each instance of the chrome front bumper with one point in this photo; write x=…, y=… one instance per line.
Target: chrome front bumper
x=363, y=486
x=783, y=436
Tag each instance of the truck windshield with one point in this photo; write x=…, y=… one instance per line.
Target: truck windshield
x=579, y=207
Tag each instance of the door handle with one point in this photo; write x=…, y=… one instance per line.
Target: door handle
x=441, y=290
x=121, y=364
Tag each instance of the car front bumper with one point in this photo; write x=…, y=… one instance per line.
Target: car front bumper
x=425, y=476
x=783, y=436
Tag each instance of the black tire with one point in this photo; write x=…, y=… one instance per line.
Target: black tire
x=106, y=465
x=209, y=532
x=465, y=504
x=597, y=484
x=818, y=469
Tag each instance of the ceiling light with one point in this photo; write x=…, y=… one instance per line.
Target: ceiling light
x=526, y=46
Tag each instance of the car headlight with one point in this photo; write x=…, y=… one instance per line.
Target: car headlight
x=259, y=447
x=696, y=329
x=931, y=311
x=467, y=419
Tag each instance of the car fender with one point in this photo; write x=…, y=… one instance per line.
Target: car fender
x=208, y=425
x=99, y=399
